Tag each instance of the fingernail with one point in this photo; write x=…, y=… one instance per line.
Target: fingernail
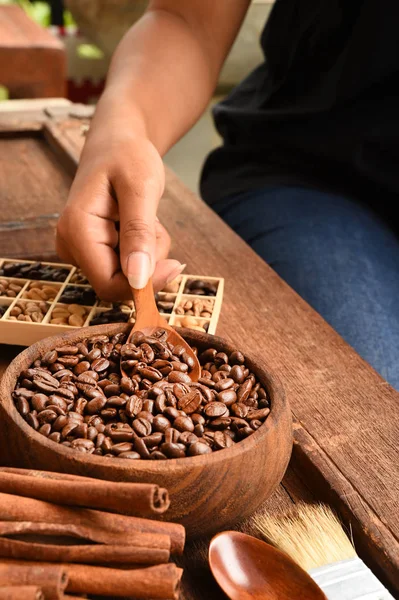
x=175, y=273
x=138, y=269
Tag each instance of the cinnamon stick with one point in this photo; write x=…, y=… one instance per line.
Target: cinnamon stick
x=51, y=578
x=158, y=583
x=21, y=592
x=139, y=540
x=103, y=524
x=94, y=554
x=120, y=497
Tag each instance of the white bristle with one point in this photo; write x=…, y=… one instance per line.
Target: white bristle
x=311, y=534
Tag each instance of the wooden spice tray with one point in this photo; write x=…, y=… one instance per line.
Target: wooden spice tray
x=22, y=333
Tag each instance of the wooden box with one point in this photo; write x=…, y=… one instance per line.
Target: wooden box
x=23, y=333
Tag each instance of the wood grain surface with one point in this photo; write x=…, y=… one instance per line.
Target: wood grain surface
x=32, y=60
x=347, y=415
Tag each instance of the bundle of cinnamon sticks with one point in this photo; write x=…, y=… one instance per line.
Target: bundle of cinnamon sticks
x=65, y=534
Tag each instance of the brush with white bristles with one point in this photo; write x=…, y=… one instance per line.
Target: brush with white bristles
x=313, y=537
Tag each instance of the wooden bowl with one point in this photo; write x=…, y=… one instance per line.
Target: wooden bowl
x=207, y=492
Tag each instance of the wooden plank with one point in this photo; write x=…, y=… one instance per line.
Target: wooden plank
x=373, y=539
x=347, y=410
x=35, y=192
x=350, y=411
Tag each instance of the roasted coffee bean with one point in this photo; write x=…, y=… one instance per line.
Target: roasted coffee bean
x=47, y=416
x=240, y=410
x=172, y=450
x=216, y=409
x=133, y=406
x=171, y=412
x=119, y=435
x=146, y=415
x=109, y=413
x=199, y=430
x=222, y=423
x=224, y=384
x=228, y=397
x=55, y=437
x=244, y=390
x=197, y=419
x=116, y=402
x=183, y=424
x=198, y=448
x=95, y=405
x=190, y=402
x=122, y=447
x=172, y=436
x=260, y=414
x=69, y=428
x=75, y=395
x=129, y=455
x=142, y=427
x=153, y=440
x=206, y=382
x=187, y=438
x=141, y=447
x=92, y=433
x=82, y=367
x=160, y=424
x=23, y=406
x=222, y=440
x=60, y=423
x=45, y=429
x=177, y=377
x=244, y=432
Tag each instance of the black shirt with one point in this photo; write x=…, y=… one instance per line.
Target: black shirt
x=322, y=110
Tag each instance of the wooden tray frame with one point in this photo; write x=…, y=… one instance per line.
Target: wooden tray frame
x=21, y=333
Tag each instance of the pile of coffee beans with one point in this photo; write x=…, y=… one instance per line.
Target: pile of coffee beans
x=196, y=308
x=115, y=315
x=192, y=323
x=36, y=271
x=41, y=291
x=78, y=295
x=79, y=277
x=28, y=311
x=165, y=302
x=10, y=289
x=76, y=396
x=72, y=314
x=2, y=311
x=200, y=287
x=126, y=305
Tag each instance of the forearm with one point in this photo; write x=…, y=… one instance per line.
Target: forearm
x=163, y=74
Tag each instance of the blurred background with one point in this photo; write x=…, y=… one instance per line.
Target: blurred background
x=89, y=31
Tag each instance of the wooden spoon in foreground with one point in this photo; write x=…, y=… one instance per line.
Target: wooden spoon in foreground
x=148, y=320
x=248, y=569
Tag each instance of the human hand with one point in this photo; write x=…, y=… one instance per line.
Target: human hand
x=120, y=180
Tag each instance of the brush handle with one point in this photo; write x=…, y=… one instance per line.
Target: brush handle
x=349, y=580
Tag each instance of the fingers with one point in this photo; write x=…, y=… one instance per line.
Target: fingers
x=88, y=241
x=138, y=196
x=165, y=272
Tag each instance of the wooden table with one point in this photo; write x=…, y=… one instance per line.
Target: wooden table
x=346, y=432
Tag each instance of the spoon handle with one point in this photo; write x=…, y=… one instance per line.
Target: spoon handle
x=146, y=309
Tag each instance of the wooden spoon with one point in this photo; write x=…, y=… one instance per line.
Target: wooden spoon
x=148, y=320
x=248, y=569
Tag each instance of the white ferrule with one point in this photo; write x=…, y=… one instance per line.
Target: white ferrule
x=349, y=580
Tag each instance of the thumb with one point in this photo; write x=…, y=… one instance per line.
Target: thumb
x=137, y=214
